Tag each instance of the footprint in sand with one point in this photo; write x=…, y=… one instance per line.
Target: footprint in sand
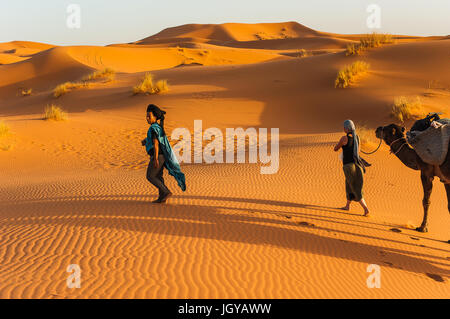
x=388, y=263
x=435, y=277
x=306, y=224
x=395, y=230
x=414, y=238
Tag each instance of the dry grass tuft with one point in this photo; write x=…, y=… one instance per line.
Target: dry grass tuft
x=67, y=87
x=61, y=89
x=353, y=49
x=147, y=86
x=26, y=92
x=5, y=146
x=5, y=143
x=302, y=53
x=349, y=73
x=407, y=109
x=54, y=113
x=107, y=73
x=4, y=129
x=373, y=40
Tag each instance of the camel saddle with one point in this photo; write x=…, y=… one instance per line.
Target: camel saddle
x=431, y=144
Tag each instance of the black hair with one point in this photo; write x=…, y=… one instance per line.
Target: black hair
x=158, y=113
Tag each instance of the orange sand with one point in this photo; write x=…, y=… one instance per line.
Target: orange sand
x=75, y=192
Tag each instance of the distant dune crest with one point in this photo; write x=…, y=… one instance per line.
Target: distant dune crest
x=235, y=32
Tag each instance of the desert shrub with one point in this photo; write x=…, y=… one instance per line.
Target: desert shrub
x=405, y=109
x=302, y=53
x=348, y=74
x=375, y=40
x=353, y=49
x=4, y=129
x=161, y=86
x=107, y=73
x=5, y=143
x=372, y=40
x=147, y=86
x=26, y=92
x=64, y=88
x=61, y=89
x=55, y=113
x=5, y=146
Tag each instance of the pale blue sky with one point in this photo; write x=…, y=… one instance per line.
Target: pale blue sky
x=118, y=21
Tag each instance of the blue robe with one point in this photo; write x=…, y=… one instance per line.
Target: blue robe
x=171, y=161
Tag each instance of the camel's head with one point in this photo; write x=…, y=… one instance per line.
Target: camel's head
x=390, y=133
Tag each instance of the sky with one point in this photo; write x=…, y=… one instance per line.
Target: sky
x=105, y=22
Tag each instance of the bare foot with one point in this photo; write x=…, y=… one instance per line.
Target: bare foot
x=345, y=208
x=366, y=213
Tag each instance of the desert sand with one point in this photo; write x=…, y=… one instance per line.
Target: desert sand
x=74, y=192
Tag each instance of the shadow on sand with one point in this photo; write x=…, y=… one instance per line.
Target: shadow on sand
x=136, y=213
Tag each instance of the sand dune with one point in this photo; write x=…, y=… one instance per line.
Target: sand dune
x=75, y=192
x=134, y=59
x=235, y=31
x=23, y=48
x=275, y=36
x=44, y=69
x=10, y=58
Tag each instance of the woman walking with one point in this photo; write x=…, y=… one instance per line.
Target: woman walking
x=354, y=166
x=161, y=155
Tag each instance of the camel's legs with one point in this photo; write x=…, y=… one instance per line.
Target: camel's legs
x=447, y=188
x=427, y=183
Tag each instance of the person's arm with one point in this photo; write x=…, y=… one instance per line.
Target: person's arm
x=343, y=141
x=156, y=146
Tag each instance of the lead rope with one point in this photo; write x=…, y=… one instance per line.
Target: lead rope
x=379, y=145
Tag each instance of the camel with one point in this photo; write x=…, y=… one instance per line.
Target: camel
x=394, y=136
